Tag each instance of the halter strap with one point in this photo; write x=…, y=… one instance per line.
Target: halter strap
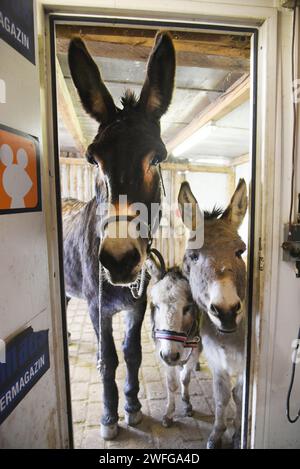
x=177, y=337
x=171, y=335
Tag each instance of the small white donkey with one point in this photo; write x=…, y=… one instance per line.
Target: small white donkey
x=175, y=326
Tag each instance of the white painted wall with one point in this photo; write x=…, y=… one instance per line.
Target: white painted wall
x=243, y=171
x=210, y=189
x=24, y=274
x=280, y=324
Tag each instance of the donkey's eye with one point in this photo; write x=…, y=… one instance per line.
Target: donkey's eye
x=194, y=256
x=187, y=308
x=156, y=159
x=239, y=253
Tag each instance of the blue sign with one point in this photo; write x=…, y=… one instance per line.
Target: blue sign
x=17, y=26
x=26, y=361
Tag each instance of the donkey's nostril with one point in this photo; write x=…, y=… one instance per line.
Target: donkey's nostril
x=221, y=312
x=216, y=310
x=131, y=259
x=127, y=262
x=170, y=357
x=107, y=260
x=236, y=308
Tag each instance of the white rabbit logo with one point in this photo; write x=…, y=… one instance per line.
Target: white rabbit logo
x=15, y=180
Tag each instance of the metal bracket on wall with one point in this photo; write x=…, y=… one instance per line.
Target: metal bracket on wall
x=291, y=245
x=290, y=4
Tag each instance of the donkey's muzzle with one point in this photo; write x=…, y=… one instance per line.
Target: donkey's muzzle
x=227, y=317
x=122, y=270
x=170, y=359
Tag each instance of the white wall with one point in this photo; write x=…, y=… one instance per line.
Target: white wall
x=210, y=189
x=24, y=274
x=280, y=326
x=243, y=171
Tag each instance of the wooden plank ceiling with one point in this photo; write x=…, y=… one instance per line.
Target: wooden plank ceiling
x=209, y=65
x=206, y=50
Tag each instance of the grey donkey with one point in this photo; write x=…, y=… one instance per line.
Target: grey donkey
x=217, y=276
x=175, y=326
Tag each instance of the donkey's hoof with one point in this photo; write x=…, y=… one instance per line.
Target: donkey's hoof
x=109, y=432
x=189, y=412
x=133, y=418
x=214, y=443
x=167, y=421
x=236, y=440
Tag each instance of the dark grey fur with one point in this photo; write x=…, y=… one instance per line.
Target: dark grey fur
x=126, y=149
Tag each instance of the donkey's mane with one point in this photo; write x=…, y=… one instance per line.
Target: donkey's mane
x=215, y=213
x=175, y=272
x=129, y=99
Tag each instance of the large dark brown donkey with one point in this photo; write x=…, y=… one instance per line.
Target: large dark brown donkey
x=126, y=149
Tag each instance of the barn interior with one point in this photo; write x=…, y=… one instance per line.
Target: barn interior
x=207, y=132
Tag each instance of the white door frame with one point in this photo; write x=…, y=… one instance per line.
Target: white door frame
x=238, y=13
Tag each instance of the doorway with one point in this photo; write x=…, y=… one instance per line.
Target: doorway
x=209, y=132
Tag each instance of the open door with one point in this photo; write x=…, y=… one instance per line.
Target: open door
x=33, y=388
x=209, y=145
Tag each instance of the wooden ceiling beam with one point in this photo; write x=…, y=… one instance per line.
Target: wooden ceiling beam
x=236, y=95
x=226, y=45
x=140, y=53
x=238, y=160
x=220, y=51
x=67, y=111
x=172, y=166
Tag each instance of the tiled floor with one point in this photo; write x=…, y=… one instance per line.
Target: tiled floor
x=186, y=432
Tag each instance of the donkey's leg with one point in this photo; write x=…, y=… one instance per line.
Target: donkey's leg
x=172, y=385
x=185, y=378
x=221, y=384
x=68, y=298
x=108, y=363
x=237, y=394
x=133, y=358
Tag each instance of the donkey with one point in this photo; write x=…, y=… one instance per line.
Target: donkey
x=175, y=330
x=127, y=150
x=217, y=276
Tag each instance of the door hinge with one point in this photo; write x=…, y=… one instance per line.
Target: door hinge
x=261, y=259
x=290, y=3
x=261, y=263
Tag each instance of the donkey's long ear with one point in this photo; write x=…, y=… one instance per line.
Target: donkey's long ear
x=157, y=90
x=237, y=208
x=154, y=268
x=188, y=206
x=94, y=95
